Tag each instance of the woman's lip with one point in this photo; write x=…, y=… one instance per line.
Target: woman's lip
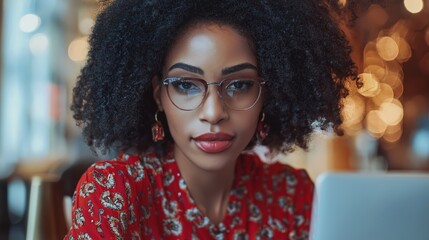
x=213, y=142
x=213, y=146
x=214, y=137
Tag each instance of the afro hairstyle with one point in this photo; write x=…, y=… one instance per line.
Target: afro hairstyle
x=300, y=51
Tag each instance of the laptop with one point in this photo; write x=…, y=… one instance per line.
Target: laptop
x=366, y=206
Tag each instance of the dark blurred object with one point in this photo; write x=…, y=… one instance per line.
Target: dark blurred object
x=46, y=219
x=69, y=179
x=4, y=210
x=71, y=175
x=25, y=170
x=47, y=185
x=5, y=223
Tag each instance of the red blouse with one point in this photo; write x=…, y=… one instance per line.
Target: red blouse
x=144, y=197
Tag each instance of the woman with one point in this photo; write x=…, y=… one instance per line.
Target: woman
x=183, y=90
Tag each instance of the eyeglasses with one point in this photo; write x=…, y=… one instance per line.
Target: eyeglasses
x=189, y=93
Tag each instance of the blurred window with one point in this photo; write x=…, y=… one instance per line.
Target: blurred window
x=31, y=90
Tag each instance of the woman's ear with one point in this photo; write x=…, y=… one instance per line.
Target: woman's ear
x=157, y=92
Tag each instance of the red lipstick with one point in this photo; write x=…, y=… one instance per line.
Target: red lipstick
x=214, y=142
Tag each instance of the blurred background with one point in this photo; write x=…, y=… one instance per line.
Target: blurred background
x=44, y=44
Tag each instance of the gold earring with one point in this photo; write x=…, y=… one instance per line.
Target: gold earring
x=157, y=130
x=262, y=130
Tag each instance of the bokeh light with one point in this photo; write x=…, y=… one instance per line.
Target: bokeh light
x=85, y=25
x=391, y=111
x=404, y=49
x=387, y=48
x=353, y=110
x=394, y=74
x=370, y=85
x=413, y=6
x=378, y=71
x=370, y=50
x=375, y=106
x=78, y=49
x=38, y=43
x=398, y=91
x=29, y=23
x=401, y=28
x=386, y=92
x=375, y=124
x=393, y=133
x=342, y=3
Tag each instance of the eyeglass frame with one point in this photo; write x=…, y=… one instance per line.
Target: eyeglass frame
x=258, y=80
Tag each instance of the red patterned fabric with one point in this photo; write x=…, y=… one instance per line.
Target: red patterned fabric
x=143, y=197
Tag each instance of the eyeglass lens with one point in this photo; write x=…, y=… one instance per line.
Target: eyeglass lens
x=189, y=93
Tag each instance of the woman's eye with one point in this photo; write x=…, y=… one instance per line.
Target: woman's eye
x=240, y=85
x=186, y=87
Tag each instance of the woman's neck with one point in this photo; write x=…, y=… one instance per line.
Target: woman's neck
x=209, y=189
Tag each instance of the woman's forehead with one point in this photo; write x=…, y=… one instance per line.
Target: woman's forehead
x=209, y=44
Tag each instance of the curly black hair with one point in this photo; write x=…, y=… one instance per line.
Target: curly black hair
x=299, y=48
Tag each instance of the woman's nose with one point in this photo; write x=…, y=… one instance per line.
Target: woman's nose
x=213, y=109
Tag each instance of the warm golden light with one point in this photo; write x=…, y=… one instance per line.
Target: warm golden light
x=377, y=107
x=353, y=130
x=375, y=125
x=393, y=129
x=413, y=6
x=370, y=49
x=342, y=3
x=387, y=48
x=394, y=74
x=78, y=49
x=377, y=70
x=370, y=85
x=404, y=49
x=391, y=112
x=401, y=27
x=393, y=137
x=85, y=25
x=386, y=92
x=398, y=90
x=353, y=110
x=393, y=133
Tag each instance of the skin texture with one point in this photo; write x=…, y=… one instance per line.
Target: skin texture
x=296, y=46
x=300, y=51
x=211, y=48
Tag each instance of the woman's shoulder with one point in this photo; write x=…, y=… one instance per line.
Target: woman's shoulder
x=111, y=188
x=277, y=171
x=284, y=169
x=124, y=166
x=120, y=163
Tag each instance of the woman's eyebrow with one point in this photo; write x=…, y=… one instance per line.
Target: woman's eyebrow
x=187, y=67
x=239, y=67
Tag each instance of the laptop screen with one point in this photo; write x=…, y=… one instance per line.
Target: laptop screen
x=356, y=206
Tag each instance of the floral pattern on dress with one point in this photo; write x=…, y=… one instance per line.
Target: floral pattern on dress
x=145, y=197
